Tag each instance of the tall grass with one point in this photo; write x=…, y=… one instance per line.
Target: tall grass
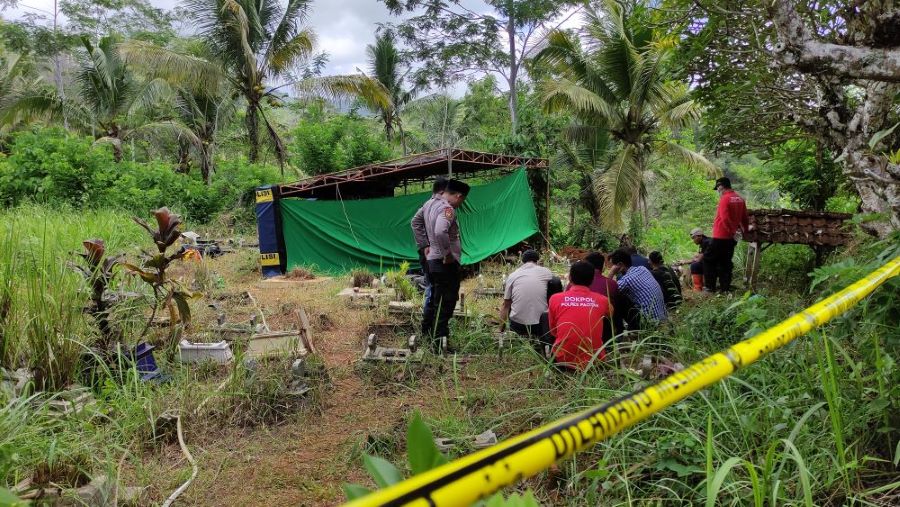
x=41, y=299
x=812, y=424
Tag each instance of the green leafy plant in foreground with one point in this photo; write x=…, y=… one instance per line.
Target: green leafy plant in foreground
x=98, y=272
x=398, y=280
x=8, y=499
x=422, y=456
x=169, y=293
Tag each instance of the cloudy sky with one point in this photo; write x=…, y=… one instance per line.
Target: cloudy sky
x=344, y=27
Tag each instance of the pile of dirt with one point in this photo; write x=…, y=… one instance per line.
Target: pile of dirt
x=573, y=253
x=299, y=274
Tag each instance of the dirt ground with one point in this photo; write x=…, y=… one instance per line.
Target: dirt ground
x=304, y=460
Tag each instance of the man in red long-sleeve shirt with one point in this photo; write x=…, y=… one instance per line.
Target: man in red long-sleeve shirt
x=731, y=217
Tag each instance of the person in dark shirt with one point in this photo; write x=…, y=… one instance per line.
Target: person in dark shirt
x=704, y=242
x=667, y=280
x=601, y=284
x=636, y=258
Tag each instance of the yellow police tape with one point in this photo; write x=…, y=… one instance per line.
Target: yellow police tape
x=478, y=475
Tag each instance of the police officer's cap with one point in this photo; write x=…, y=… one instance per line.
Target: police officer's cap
x=458, y=187
x=725, y=182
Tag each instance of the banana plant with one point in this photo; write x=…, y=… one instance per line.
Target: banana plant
x=99, y=271
x=169, y=293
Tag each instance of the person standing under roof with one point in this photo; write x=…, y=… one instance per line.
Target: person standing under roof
x=421, y=235
x=577, y=319
x=731, y=219
x=525, y=297
x=443, y=258
x=643, y=294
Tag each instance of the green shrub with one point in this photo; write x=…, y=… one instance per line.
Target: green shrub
x=46, y=165
x=53, y=167
x=337, y=143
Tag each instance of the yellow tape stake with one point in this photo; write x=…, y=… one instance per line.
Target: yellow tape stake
x=478, y=475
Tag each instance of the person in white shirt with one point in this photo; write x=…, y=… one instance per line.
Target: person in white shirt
x=525, y=297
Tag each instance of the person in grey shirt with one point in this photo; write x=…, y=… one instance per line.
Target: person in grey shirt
x=525, y=297
x=421, y=234
x=444, y=256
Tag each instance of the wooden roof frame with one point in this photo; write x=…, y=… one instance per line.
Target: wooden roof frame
x=453, y=162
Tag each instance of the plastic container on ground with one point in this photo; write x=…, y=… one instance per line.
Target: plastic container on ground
x=218, y=352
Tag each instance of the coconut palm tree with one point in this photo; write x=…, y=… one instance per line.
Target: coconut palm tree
x=17, y=75
x=200, y=116
x=437, y=121
x=385, y=66
x=612, y=77
x=198, y=112
x=259, y=43
x=109, y=103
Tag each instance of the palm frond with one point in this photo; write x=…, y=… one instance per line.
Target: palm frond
x=358, y=86
x=691, y=158
x=275, y=139
x=616, y=54
x=290, y=52
x=238, y=23
x=180, y=69
x=151, y=95
x=384, y=61
x=562, y=94
x=619, y=186
x=295, y=14
x=30, y=106
x=561, y=53
x=679, y=110
x=594, y=139
x=165, y=129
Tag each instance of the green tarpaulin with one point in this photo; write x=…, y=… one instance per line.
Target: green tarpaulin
x=338, y=236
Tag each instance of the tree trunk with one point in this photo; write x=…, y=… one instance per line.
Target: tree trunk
x=388, y=125
x=184, y=157
x=117, y=150
x=402, y=136
x=513, y=75
x=847, y=130
x=205, y=161
x=252, y=121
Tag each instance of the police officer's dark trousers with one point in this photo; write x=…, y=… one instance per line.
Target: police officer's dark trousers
x=718, y=265
x=444, y=294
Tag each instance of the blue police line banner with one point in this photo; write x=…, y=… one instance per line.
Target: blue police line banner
x=267, y=230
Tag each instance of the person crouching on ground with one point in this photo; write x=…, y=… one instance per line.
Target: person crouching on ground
x=704, y=242
x=643, y=295
x=577, y=319
x=667, y=280
x=525, y=298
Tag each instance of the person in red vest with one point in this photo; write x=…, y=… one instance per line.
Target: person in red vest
x=577, y=320
x=731, y=221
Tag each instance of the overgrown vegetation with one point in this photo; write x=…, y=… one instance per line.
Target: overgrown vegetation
x=111, y=110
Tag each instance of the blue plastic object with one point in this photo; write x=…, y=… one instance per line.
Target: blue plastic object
x=145, y=363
